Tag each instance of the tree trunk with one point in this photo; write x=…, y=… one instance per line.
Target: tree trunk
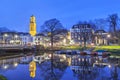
x=84, y=42
x=51, y=53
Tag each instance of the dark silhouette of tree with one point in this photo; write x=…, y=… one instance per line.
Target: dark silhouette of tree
x=58, y=68
x=118, y=36
x=113, y=22
x=100, y=24
x=94, y=27
x=52, y=28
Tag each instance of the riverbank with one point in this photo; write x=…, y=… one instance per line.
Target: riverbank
x=115, y=50
x=13, y=55
x=74, y=48
x=2, y=77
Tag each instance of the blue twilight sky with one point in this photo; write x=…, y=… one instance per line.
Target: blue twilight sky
x=15, y=14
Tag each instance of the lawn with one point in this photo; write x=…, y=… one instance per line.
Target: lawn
x=115, y=50
x=2, y=77
x=73, y=47
x=108, y=47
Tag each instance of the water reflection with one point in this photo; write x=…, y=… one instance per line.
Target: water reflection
x=81, y=67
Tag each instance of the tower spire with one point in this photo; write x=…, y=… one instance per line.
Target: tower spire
x=32, y=26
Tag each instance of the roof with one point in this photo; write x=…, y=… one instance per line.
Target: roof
x=81, y=25
x=8, y=32
x=39, y=34
x=23, y=33
x=101, y=31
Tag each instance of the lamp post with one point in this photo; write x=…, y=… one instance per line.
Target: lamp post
x=4, y=37
x=108, y=36
x=15, y=39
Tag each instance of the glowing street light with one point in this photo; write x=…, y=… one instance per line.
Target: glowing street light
x=16, y=36
x=5, y=35
x=108, y=35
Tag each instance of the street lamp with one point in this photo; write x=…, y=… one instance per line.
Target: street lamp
x=4, y=37
x=15, y=39
x=108, y=36
x=16, y=36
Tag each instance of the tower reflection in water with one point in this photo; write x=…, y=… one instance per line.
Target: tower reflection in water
x=83, y=67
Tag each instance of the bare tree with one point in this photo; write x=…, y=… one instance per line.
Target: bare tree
x=113, y=22
x=100, y=24
x=118, y=36
x=52, y=28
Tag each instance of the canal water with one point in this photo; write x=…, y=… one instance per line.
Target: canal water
x=62, y=67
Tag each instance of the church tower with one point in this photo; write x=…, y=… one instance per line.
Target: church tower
x=32, y=26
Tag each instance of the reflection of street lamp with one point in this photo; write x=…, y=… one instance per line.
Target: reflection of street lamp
x=109, y=66
x=15, y=64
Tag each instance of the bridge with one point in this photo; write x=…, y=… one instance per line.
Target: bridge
x=14, y=48
x=10, y=46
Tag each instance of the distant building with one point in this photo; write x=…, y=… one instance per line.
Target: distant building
x=38, y=39
x=62, y=39
x=81, y=33
x=10, y=38
x=26, y=38
x=101, y=37
x=15, y=38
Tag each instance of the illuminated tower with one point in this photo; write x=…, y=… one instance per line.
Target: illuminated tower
x=32, y=26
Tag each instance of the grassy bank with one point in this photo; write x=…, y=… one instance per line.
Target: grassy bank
x=73, y=48
x=115, y=50
x=2, y=77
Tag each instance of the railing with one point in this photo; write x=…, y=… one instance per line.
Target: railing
x=4, y=46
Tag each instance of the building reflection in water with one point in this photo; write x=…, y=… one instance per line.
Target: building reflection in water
x=89, y=67
x=12, y=63
x=83, y=67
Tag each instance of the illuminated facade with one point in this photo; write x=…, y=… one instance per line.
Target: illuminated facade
x=39, y=39
x=32, y=26
x=26, y=38
x=81, y=33
x=101, y=37
x=10, y=38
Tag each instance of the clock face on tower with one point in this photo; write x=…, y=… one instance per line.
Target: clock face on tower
x=32, y=26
